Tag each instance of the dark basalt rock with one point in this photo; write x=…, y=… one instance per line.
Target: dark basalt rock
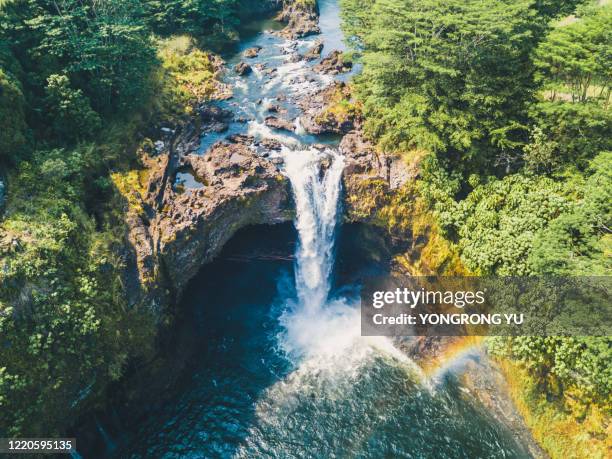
x=252, y=52
x=279, y=123
x=314, y=52
x=333, y=64
x=243, y=68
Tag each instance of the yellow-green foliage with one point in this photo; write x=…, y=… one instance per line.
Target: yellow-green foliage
x=565, y=433
x=131, y=185
x=187, y=75
x=340, y=109
x=404, y=214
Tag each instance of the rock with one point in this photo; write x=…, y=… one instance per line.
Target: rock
x=319, y=116
x=252, y=52
x=209, y=113
x=369, y=176
x=295, y=57
x=183, y=231
x=214, y=119
x=242, y=68
x=302, y=20
x=279, y=123
x=270, y=144
x=360, y=156
x=333, y=64
x=314, y=52
x=217, y=127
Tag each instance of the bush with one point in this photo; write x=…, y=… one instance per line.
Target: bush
x=70, y=114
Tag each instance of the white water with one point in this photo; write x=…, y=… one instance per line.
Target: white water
x=316, y=193
x=319, y=333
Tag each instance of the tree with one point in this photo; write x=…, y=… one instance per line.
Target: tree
x=573, y=61
x=13, y=130
x=577, y=241
x=449, y=77
x=103, y=47
x=70, y=113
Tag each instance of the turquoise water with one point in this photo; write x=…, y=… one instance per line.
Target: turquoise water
x=242, y=397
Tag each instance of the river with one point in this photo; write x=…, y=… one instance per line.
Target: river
x=279, y=368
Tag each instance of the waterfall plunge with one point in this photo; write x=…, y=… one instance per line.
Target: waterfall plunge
x=319, y=331
x=316, y=193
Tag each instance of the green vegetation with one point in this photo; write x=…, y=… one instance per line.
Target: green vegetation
x=563, y=428
x=79, y=83
x=512, y=102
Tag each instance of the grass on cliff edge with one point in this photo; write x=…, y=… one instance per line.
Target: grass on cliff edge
x=558, y=431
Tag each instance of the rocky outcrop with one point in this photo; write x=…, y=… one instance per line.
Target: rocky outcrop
x=241, y=188
x=242, y=68
x=172, y=234
x=369, y=177
x=329, y=111
x=333, y=64
x=314, y=52
x=302, y=19
x=252, y=52
x=279, y=123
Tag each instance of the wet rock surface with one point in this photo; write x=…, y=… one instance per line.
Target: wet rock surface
x=243, y=68
x=279, y=123
x=334, y=64
x=252, y=52
x=314, y=52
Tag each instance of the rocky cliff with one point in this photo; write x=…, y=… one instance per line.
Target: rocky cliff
x=175, y=228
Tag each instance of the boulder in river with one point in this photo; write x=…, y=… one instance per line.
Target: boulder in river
x=314, y=52
x=252, y=52
x=243, y=68
x=333, y=64
x=279, y=123
x=214, y=119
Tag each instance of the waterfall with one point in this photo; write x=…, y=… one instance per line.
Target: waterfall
x=315, y=179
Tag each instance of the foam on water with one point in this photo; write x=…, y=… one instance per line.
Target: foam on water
x=260, y=131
